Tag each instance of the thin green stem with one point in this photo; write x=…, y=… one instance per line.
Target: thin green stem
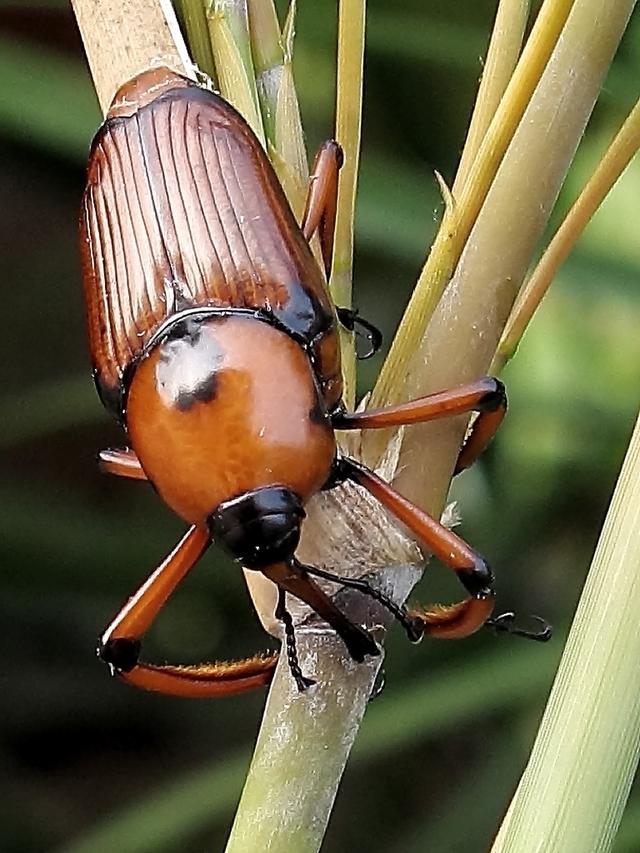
x=614, y=162
x=229, y=32
x=502, y=56
x=351, y=34
x=273, y=57
x=195, y=23
x=268, y=58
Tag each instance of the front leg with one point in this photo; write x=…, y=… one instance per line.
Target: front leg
x=294, y=579
x=460, y=619
x=119, y=646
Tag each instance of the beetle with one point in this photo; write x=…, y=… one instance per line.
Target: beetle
x=214, y=342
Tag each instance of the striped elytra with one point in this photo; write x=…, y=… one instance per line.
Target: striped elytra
x=183, y=210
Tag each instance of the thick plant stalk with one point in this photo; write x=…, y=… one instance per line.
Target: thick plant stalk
x=576, y=784
x=124, y=37
x=305, y=739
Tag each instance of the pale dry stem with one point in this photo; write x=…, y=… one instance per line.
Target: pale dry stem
x=615, y=160
x=122, y=38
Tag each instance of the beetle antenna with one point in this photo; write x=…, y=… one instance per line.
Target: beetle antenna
x=414, y=627
x=290, y=639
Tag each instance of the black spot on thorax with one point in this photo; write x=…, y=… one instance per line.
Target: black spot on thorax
x=205, y=392
x=189, y=360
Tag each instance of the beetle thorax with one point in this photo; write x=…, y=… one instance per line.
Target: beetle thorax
x=223, y=406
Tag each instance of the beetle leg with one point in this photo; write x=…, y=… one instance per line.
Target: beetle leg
x=293, y=578
x=453, y=621
x=121, y=463
x=205, y=681
x=119, y=646
x=486, y=396
x=460, y=619
x=322, y=198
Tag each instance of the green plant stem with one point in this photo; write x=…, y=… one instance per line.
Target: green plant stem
x=305, y=739
x=475, y=306
x=268, y=58
x=231, y=44
x=351, y=41
x=502, y=56
x=272, y=59
x=302, y=750
x=573, y=792
x=195, y=23
x=399, y=721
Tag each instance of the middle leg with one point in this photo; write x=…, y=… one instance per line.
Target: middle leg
x=121, y=463
x=322, y=199
x=486, y=396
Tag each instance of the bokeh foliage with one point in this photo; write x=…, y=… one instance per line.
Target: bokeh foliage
x=91, y=765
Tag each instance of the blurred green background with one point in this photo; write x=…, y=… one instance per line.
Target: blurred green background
x=88, y=764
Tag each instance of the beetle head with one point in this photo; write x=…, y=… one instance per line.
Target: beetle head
x=259, y=528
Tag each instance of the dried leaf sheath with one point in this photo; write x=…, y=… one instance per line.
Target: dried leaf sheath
x=182, y=209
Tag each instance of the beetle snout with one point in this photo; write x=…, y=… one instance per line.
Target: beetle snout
x=259, y=528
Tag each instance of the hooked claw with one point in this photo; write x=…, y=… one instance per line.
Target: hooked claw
x=302, y=682
x=352, y=321
x=505, y=623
